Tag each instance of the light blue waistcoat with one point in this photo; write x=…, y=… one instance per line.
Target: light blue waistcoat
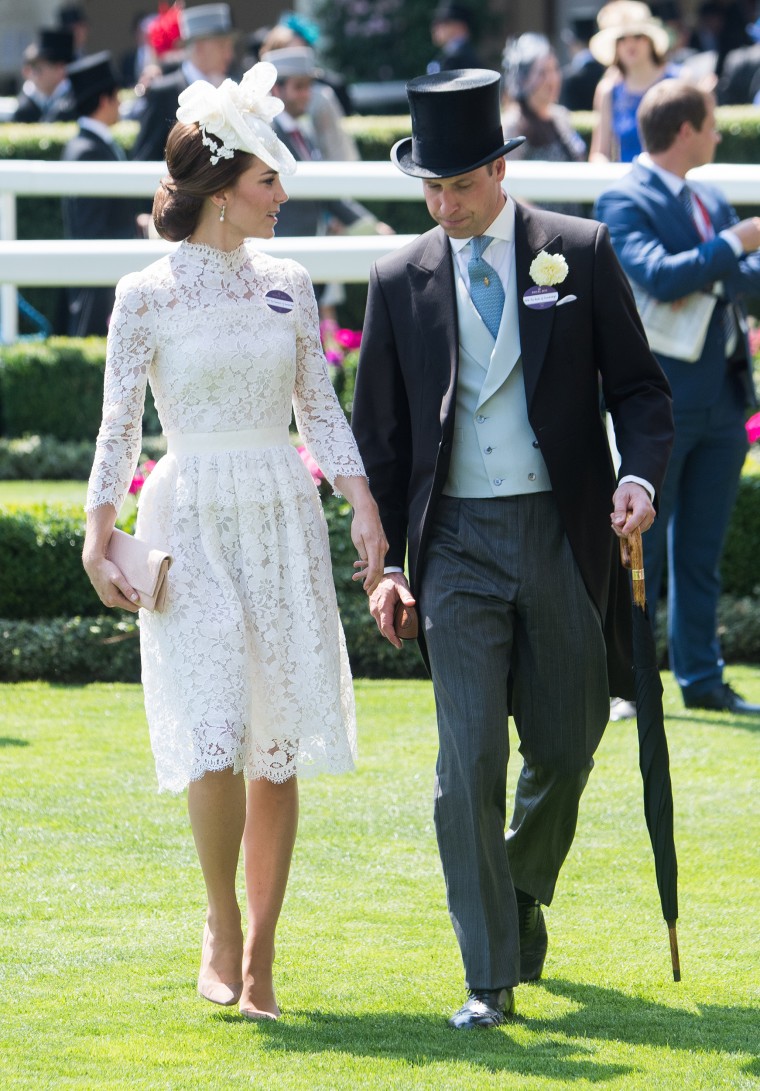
x=494, y=452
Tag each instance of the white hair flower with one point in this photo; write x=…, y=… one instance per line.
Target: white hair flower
x=238, y=117
x=547, y=269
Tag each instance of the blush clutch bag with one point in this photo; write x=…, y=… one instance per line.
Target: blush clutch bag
x=146, y=568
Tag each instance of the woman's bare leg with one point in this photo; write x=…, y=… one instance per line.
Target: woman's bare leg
x=270, y=833
x=216, y=804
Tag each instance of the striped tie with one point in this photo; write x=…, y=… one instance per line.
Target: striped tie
x=705, y=230
x=486, y=289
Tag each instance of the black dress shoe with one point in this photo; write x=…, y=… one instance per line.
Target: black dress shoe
x=484, y=1008
x=533, y=937
x=722, y=699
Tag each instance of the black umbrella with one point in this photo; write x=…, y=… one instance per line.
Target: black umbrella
x=654, y=760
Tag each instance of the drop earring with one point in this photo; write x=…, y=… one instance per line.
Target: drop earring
x=221, y=214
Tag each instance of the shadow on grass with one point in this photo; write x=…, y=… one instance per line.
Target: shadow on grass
x=598, y=1013
x=606, y=1013
x=5, y=741
x=715, y=719
x=422, y=1040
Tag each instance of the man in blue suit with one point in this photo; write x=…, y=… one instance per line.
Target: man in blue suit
x=675, y=239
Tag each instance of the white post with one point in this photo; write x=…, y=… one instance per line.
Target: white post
x=8, y=292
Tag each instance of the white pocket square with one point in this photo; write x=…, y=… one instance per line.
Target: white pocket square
x=566, y=299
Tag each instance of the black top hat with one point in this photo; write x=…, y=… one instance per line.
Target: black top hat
x=456, y=124
x=71, y=15
x=457, y=13
x=53, y=44
x=93, y=75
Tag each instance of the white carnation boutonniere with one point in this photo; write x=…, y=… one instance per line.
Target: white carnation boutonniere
x=547, y=270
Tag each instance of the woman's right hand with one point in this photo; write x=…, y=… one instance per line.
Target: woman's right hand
x=110, y=583
x=106, y=577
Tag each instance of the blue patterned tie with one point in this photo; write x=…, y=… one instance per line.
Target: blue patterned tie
x=486, y=289
x=728, y=318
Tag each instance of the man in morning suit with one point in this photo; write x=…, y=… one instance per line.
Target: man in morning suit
x=451, y=29
x=94, y=84
x=207, y=35
x=477, y=414
x=46, y=93
x=308, y=217
x=674, y=240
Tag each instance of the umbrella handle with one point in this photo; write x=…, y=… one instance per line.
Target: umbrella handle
x=632, y=557
x=674, y=951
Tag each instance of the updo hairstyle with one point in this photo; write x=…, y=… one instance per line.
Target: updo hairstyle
x=191, y=180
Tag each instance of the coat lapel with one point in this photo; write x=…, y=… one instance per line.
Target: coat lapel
x=672, y=210
x=535, y=325
x=433, y=296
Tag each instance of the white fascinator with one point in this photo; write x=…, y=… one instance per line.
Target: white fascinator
x=238, y=117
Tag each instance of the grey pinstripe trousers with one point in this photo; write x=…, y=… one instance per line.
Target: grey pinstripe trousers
x=501, y=592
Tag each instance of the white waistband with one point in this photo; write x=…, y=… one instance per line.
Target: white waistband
x=205, y=443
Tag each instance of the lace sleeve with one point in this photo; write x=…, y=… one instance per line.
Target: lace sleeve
x=130, y=350
x=319, y=417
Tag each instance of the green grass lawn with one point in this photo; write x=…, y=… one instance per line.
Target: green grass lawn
x=101, y=912
x=43, y=492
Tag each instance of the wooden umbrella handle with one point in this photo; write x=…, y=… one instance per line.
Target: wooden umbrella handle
x=632, y=557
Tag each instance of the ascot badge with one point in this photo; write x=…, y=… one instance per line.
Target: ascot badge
x=545, y=271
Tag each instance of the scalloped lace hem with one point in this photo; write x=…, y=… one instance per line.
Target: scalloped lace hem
x=260, y=771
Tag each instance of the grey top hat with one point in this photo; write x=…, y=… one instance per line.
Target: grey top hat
x=293, y=61
x=205, y=21
x=456, y=124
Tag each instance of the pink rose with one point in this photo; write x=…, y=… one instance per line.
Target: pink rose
x=753, y=428
x=136, y=484
x=349, y=339
x=316, y=474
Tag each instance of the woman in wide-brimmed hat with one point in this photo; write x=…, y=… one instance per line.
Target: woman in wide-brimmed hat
x=633, y=45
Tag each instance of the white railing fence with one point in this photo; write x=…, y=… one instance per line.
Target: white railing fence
x=344, y=258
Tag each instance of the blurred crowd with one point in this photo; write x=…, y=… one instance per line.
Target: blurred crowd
x=612, y=57
x=608, y=58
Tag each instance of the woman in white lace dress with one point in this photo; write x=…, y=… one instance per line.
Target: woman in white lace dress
x=245, y=670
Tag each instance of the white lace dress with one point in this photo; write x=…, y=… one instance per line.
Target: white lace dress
x=246, y=667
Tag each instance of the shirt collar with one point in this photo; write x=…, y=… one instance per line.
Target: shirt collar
x=192, y=73
x=287, y=122
x=98, y=127
x=674, y=182
x=502, y=228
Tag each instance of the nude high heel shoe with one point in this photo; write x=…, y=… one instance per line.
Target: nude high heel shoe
x=217, y=992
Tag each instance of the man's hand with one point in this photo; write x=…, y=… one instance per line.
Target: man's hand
x=382, y=603
x=748, y=233
x=632, y=508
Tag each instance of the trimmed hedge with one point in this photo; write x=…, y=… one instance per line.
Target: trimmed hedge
x=55, y=388
x=105, y=648
x=43, y=584
x=44, y=458
x=740, y=568
x=71, y=650
x=42, y=575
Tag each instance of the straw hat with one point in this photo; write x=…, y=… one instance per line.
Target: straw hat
x=625, y=19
